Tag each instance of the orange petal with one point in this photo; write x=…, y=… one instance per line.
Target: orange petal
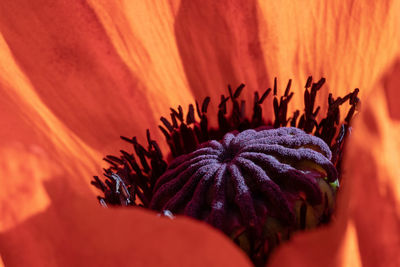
x=367, y=229
x=374, y=168
x=31, y=129
x=77, y=232
x=76, y=64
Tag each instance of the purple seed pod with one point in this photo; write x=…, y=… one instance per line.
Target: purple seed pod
x=245, y=178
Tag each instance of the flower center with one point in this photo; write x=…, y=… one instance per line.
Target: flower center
x=260, y=182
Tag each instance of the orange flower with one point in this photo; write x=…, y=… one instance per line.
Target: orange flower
x=75, y=75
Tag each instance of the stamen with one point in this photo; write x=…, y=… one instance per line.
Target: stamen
x=254, y=179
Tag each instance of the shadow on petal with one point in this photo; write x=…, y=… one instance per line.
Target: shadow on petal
x=392, y=90
x=219, y=44
x=64, y=51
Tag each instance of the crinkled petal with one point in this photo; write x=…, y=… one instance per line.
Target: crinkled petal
x=351, y=43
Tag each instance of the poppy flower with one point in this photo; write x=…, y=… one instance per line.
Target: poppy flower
x=75, y=76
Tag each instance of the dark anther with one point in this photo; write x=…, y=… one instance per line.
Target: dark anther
x=190, y=115
x=167, y=124
x=238, y=91
x=173, y=116
x=264, y=96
